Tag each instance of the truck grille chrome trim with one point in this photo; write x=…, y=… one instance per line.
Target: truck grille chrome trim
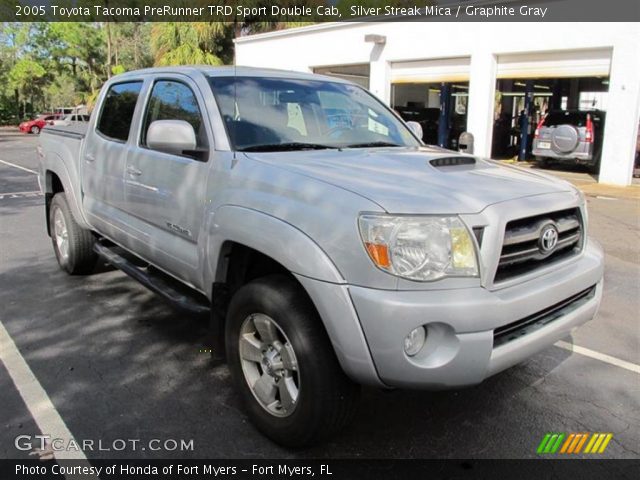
x=524, y=249
x=524, y=326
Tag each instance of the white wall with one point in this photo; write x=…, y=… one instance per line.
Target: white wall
x=334, y=44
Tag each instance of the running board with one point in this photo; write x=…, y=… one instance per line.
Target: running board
x=170, y=289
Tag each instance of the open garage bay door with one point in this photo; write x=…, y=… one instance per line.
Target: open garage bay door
x=435, y=94
x=578, y=63
x=431, y=71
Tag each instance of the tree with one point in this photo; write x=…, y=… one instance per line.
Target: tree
x=181, y=43
x=26, y=78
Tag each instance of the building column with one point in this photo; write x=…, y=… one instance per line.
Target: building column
x=482, y=88
x=380, y=79
x=623, y=115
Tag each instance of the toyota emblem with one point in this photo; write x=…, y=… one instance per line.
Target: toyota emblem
x=548, y=238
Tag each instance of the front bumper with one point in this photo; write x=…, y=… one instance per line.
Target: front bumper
x=460, y=349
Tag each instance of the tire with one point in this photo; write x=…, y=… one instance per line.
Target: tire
x=72, y=244
x=542, y=162
x=594, y=168
x=326, y=398
x=35, y=130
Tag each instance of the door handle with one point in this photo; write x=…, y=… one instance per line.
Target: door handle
x=134, y=171
x=89, y=157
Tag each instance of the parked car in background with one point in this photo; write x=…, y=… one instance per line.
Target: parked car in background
x=570, y=136
x=34, y=126
x=64, y=110
x=72, y=119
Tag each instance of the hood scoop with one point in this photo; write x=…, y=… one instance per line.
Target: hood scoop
x=452, y=161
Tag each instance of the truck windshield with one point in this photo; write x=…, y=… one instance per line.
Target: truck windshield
x=278, y=114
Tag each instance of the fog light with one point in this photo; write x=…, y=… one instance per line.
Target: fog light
x=414, y=342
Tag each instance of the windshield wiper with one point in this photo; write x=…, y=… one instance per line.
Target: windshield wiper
x=278, y=147
x=373, y=144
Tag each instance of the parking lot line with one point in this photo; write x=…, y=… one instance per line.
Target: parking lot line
x=599, y=356
x=18, y=166
x=35, y=398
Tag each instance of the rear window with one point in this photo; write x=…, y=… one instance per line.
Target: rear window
x=117, y=110
x=577, y=119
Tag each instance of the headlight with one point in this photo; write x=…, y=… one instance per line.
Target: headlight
x=419, y=248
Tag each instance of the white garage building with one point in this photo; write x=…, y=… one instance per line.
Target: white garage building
x=485, y=65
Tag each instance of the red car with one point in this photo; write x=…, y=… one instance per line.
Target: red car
x=34, y=126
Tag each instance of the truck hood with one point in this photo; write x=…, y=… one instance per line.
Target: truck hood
x=409, y=181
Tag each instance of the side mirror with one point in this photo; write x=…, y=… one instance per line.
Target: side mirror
x=416, y=128
x=171, y=136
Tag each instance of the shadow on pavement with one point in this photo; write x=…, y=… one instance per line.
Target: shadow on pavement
x=118, y=362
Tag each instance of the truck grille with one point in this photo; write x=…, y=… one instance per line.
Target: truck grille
x=523, y=249
x=524, y=326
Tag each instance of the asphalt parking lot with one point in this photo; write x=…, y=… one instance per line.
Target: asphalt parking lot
x=116, y=362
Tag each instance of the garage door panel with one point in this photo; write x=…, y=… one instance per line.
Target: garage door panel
x=581, y=63
x=430, y=71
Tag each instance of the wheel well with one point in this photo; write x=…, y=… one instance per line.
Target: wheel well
x=243, y=264
x=238, y=266
x=53, y=185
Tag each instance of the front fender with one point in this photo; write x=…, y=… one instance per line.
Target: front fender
x=270, y=236
x=312, y=267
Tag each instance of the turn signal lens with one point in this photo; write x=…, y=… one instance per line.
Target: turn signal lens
x=462, y=249
x=379, y=254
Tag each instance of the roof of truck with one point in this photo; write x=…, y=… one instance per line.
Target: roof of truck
x=230, y=71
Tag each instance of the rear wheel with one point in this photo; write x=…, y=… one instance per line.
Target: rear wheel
x=542, y=162
x=283, y=364
x=72, y=244
x=35, y=130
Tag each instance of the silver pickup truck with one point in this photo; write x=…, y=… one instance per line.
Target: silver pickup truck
x=330, y=246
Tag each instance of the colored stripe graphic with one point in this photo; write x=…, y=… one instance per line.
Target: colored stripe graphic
x=573, y=443
x=543, y=443
x=567, y=443
x=576, y=439
x=551, y=443
x=557, y=444
x=594, y=437
x=581, y=443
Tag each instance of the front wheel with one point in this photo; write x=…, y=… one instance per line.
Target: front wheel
x=72, y=244
x=35, y=130
x=283, y=364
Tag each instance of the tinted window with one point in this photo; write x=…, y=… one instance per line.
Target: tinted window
x=577, y=119
x=174, y=101
x=117, y=110
x=270, y=114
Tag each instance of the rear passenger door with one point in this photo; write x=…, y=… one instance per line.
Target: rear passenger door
x=165, y=192
x=104, y=157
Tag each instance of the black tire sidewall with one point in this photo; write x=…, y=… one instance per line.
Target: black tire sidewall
x=286, y=303
x=74, y=263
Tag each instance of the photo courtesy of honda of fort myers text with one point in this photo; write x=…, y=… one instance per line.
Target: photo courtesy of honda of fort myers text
x=333, y=239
